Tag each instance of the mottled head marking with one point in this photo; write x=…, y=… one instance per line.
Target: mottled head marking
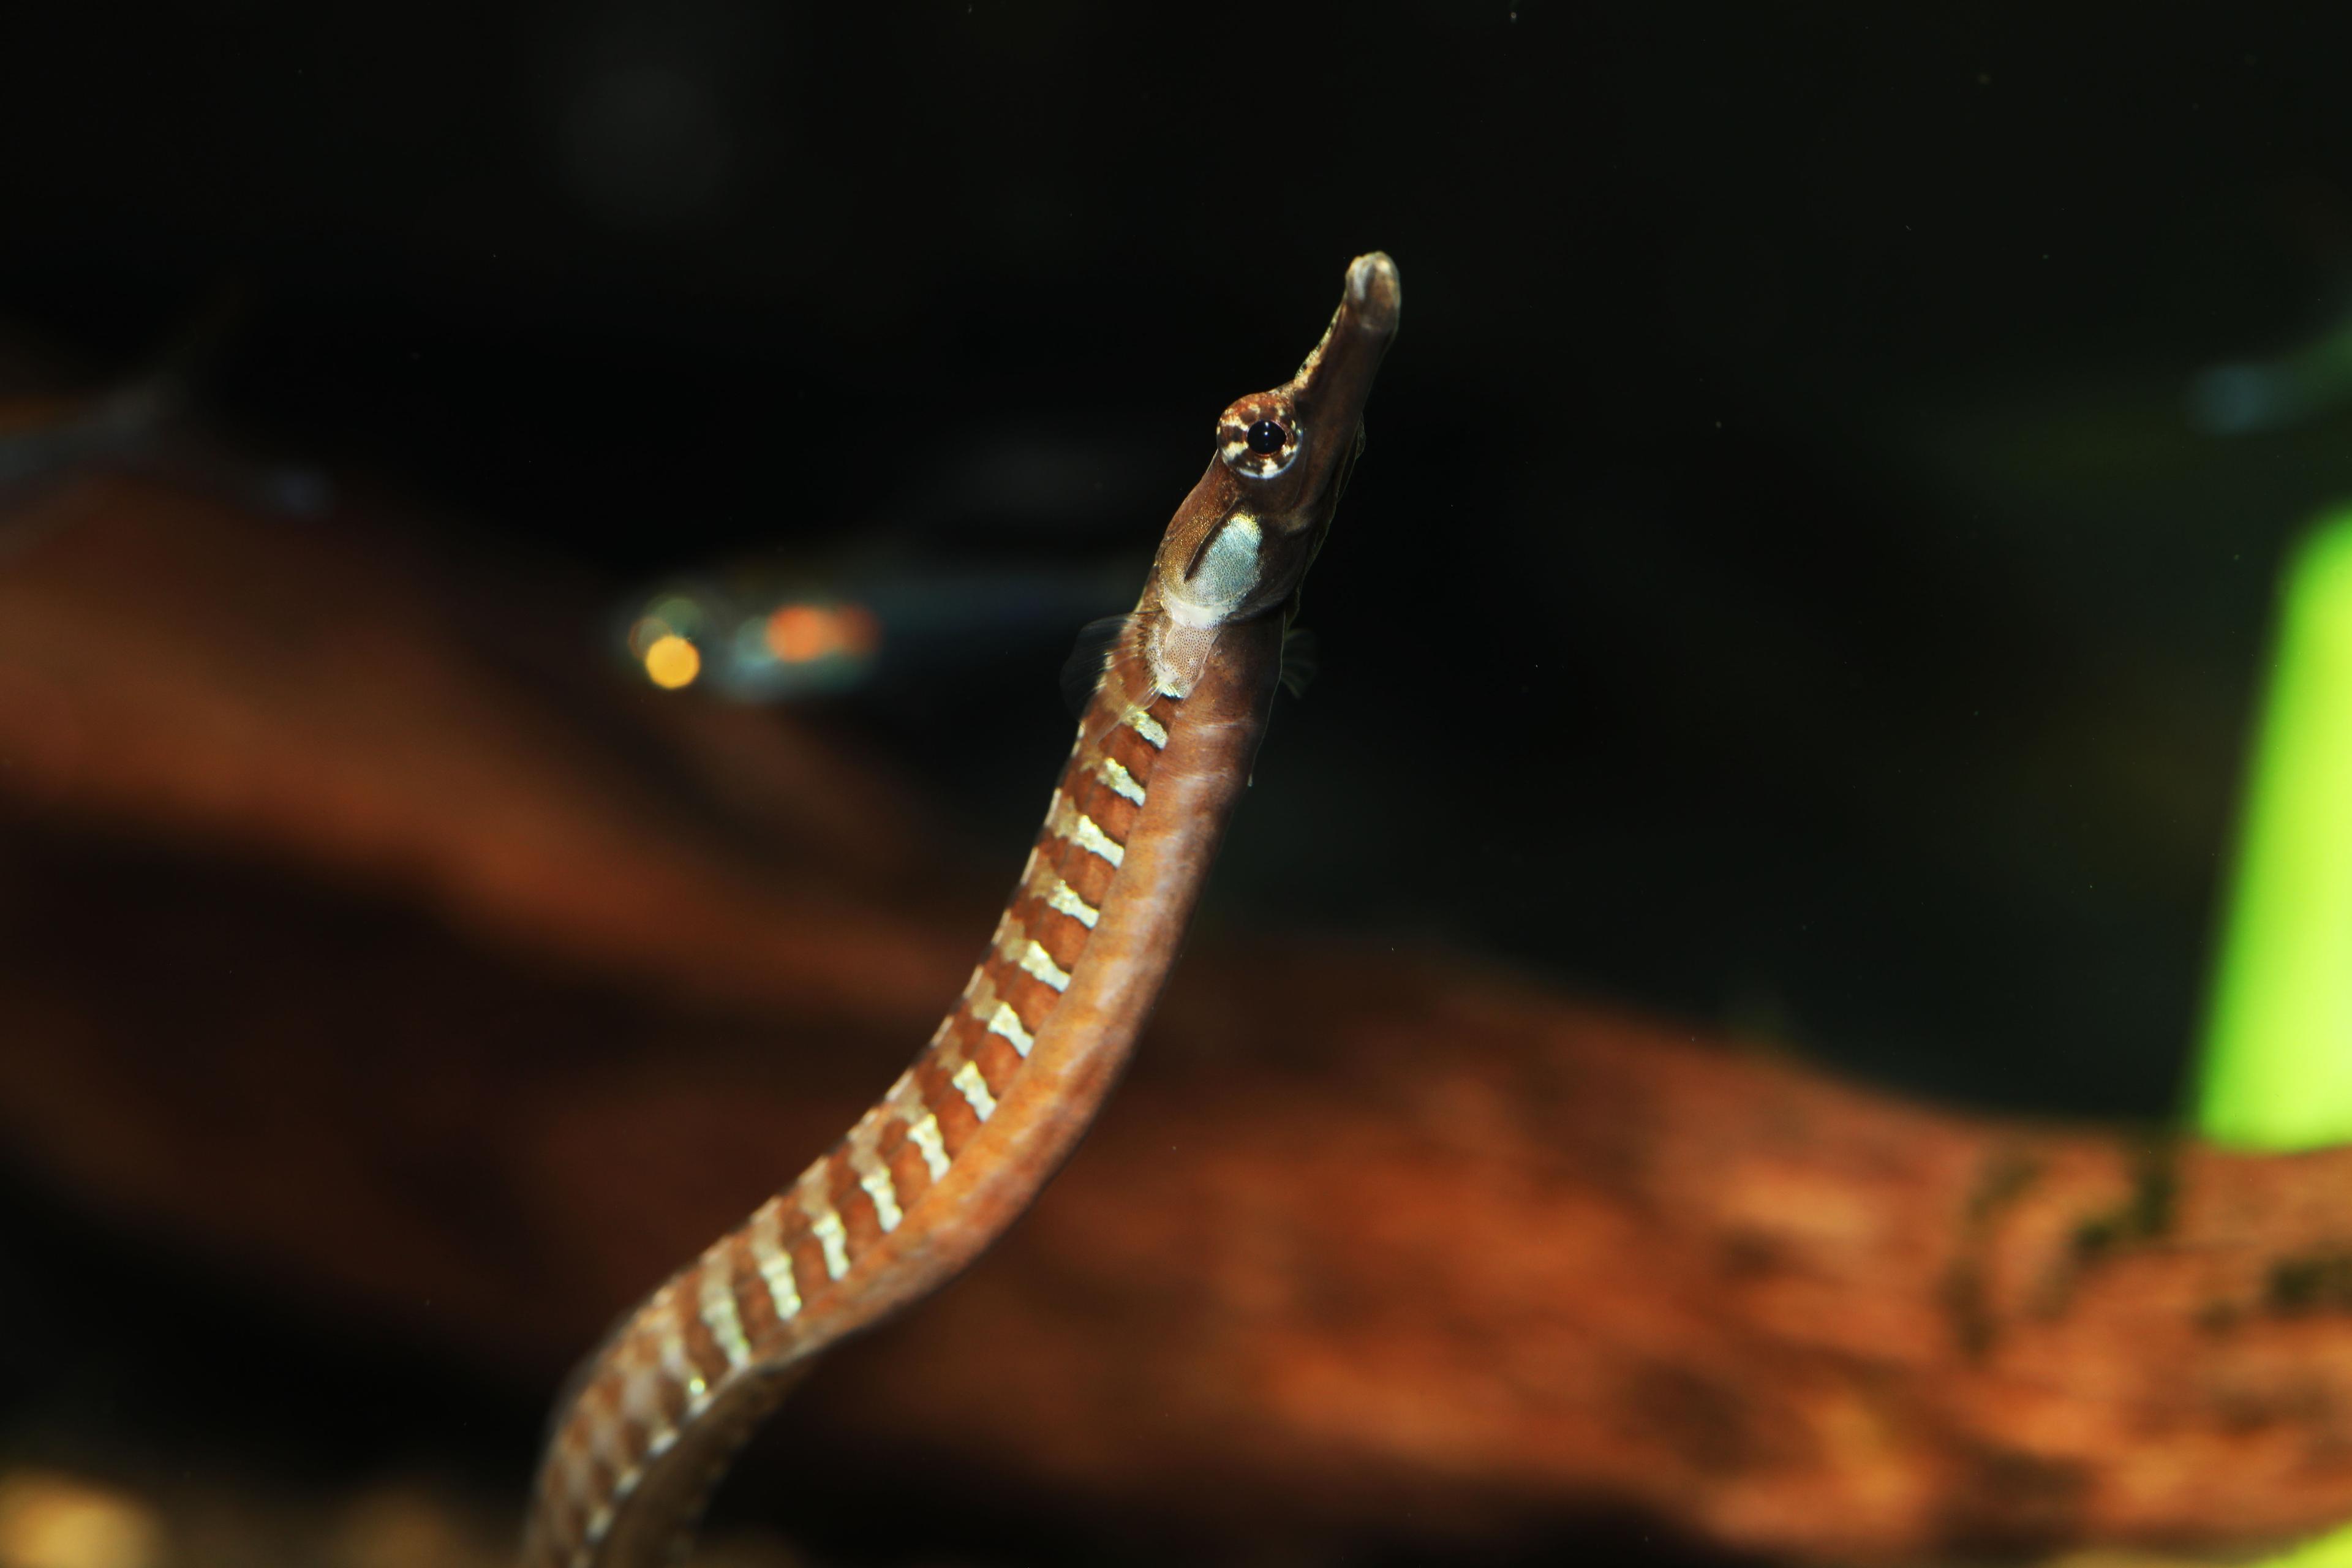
x=1242, y=541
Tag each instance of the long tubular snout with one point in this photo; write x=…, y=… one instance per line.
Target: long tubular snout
x=1332, y=388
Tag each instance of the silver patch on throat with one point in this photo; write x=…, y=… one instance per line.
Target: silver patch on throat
x=1227, y=574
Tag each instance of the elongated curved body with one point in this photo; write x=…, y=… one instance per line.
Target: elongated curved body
x=960, y=1143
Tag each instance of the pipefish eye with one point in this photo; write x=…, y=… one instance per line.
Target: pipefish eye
x=1258, y=436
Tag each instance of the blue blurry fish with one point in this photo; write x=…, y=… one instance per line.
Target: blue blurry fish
x=782, y=635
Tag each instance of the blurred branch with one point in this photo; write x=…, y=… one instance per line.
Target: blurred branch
x=355, y=937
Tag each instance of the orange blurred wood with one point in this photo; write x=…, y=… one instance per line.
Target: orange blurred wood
x=357, y=934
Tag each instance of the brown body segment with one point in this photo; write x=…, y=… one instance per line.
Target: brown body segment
x=994, y=1103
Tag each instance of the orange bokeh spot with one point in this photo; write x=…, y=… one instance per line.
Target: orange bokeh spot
x=798, y=633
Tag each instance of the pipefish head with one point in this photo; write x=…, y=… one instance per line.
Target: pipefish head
x=1241, y=544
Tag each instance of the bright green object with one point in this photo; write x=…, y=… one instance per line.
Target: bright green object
x=2327, y=1551
x=2278, y=1046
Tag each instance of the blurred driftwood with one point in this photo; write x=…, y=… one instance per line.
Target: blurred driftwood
x=358, y=932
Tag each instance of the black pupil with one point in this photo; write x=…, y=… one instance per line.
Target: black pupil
x=1266, y=437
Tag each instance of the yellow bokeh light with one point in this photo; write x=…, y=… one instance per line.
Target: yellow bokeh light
x=672, y=662
x=49, y=1520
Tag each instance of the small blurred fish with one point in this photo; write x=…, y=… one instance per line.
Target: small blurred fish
x=1019, y=494
x=42, y=437
x=45, y=438
x=2307, y=221
x=783, y=636
x=2243, y=396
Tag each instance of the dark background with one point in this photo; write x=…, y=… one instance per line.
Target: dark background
x=1785, y=587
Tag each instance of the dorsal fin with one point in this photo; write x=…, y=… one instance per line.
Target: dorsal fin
x=1082, y=671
